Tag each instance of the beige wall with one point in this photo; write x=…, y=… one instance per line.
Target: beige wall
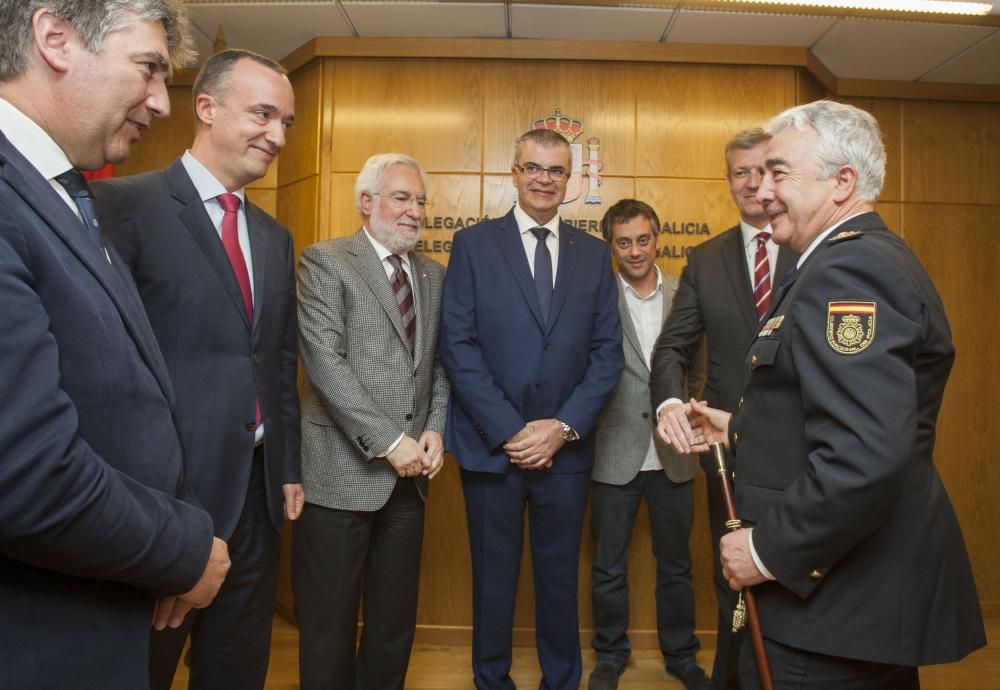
x=662, y=129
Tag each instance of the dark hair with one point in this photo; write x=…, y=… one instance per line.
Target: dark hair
x=625, y=210
x=212, y=77
x=544, y=137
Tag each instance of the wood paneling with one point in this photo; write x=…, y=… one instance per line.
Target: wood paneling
x=430, y=110
x=952, y=152
x=960, y=248
x=166, y=138
x=297, y=204
x=266, y=199
x=687, y=113
x=300, y=159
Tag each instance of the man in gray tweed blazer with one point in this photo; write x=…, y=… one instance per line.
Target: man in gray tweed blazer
x=631, y=464
x=373, y=412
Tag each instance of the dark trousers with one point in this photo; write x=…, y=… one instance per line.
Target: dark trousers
x=797, y=669
x=340, y=556
x=612, y=518
x=230, y=639
x=495, y=507
x=725, y=670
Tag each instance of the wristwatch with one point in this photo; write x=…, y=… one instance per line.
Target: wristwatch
x=569, y=433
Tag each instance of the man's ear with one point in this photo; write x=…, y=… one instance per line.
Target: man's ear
x=845, y=182
x=205, y=107
x=53, y=39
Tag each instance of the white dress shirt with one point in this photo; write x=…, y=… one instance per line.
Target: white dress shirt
x=749, y=234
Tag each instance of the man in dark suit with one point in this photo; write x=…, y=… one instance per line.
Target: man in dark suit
x=95, y=539
x=373, y=414
x=216, y=276
x=849, y=539
x=632, y=464
x=532, y=343
x=716, y=303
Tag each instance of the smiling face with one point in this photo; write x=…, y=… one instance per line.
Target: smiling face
x=116, y=93
x=746, y=168
x=394, y=214
x=540, y=197
x=799, y=204
x=633, y=244
x=243, y=125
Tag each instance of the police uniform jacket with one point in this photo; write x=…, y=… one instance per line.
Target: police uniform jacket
x=834, y=448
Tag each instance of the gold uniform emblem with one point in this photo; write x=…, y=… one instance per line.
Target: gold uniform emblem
x=850, y=326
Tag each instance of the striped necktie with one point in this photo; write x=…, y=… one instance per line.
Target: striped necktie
x=762, y=276
x=404, y=297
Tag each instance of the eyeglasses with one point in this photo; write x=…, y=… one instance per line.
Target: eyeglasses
x=533, y=171
x=403, y=199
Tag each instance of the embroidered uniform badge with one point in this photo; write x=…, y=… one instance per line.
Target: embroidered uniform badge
x=850, y=326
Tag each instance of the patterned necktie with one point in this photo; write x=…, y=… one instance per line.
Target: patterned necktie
x=543, y=271
x=762, y=276
x=78, y=189
x=404, y=297
x=231, y=242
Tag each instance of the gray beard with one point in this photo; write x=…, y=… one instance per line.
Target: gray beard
x=388, y=237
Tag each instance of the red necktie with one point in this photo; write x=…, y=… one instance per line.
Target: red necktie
x=231, y=241
x=404, y=297
x=762, y=276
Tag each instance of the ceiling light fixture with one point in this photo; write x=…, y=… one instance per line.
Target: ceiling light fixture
x=929, y=6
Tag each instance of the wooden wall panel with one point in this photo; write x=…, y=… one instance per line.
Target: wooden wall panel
x=960, y=248
x=429, y=109
x=952, y=152
x=166, y=139
x=517, y=93
x=687, y=113
x=296, y=210
x=301, y=156
x=808, y=88
x=266, y=199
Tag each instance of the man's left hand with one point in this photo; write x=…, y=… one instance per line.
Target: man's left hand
x=433, y=446
x=536, y=445
x=737, y=564
x=295, y=498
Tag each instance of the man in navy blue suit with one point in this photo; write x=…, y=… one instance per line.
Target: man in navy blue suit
x=532, y=344
x=96, y=541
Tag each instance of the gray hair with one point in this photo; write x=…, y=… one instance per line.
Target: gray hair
x=92, y=20
x=371, y=175
x=547, y=138
x=847, y=136
x=213, y=76
x=744, y=141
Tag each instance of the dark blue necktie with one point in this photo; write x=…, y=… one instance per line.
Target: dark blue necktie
x=78, y=189
x=543, y=271
x=787, y=280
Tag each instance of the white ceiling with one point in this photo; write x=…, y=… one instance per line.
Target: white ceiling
x=849, y=47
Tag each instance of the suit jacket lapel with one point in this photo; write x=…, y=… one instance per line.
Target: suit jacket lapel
x=568, y=256
x=107, y=268
x=196, y=219
x=628, y=328
x=734, y=259
x=370, y=269
x=259, y=248
x=512, y=248
x=420, y=288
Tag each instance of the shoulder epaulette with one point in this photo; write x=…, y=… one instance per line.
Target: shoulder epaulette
x=844, y=235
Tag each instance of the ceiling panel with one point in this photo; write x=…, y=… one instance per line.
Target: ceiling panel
x=979, y=65
x=428, y=19
x=272, y=29
x=744, y=28
x=874, y=49
x=574, y=22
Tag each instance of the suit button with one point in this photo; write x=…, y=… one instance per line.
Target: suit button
x=815, y=574
x=753, y=359
x=251, y=425
x=645, y=415
x=547, y=346
x=736, y=438
x=409, y=417
x=256, y=358
x=740, y=406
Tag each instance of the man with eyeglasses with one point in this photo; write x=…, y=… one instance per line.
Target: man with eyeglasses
x=373, y=411
x=532, y=343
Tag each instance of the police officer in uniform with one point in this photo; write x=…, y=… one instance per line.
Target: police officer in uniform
x=849, y=538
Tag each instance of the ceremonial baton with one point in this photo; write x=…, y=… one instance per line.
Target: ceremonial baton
x=746, y=608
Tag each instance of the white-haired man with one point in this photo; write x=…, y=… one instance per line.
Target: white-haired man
x=94, y=534
x=849, y=537
x=373, y=412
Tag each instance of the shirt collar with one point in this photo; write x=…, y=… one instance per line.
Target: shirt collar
x=822, y=236
x=750, y=233
x=204, y=181
x=525, y=222
x=33, y=142
x=659, y=286
x=380, y=249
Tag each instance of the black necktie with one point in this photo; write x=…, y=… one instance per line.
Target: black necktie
x=78, y=189
x=543, y=271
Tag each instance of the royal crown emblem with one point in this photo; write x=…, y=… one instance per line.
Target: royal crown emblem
x=571, y=128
